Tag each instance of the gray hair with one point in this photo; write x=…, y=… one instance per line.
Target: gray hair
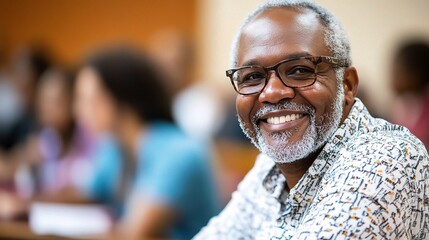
x=335, y=37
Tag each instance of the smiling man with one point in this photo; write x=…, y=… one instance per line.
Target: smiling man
x=327, y=169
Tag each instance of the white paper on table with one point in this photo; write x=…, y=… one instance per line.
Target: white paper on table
x=69, y=220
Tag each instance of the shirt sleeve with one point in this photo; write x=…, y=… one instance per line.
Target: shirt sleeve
x=368, y=196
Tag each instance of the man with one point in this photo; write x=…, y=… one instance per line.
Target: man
x=328, y=170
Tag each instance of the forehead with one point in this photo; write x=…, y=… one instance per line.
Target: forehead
x=88, y=81
x=279, y=33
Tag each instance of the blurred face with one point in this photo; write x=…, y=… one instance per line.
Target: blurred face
x=288, y=124
x=94, y=107
x=24, y=78
x=54, y=102
x=403, y=79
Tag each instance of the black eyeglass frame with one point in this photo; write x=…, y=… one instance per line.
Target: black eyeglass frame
x=336, y=62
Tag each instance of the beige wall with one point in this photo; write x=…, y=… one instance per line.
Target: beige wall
x=374, y=27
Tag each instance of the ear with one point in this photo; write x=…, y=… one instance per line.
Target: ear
x=350, y=84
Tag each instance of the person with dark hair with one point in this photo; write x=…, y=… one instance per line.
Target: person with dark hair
x=10, y=104
x=63, y=146
x=10, y=111
x=28, y=64
x=410, y=82
x=158, y=179
x=54, y=162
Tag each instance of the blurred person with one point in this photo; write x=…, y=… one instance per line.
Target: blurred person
x=410, y=81
x=9, y=101
x=55, y=161
x=160, y=182
x=327, y=168
x=27, y=66
x=10, y=110
x=95, y=111
x=63, y=146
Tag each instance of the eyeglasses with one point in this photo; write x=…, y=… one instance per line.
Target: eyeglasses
x=294, y=73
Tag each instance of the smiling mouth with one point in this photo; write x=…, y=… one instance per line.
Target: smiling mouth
x=284, y=119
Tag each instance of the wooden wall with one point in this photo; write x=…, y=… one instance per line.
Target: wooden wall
x=72, y=27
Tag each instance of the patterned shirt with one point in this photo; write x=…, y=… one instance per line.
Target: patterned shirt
x=370, y=181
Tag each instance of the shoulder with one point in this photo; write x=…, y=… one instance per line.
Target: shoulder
x=387, y=144
x=383, y=167
x=167, y=141
x=374, y=142
x=388, y=158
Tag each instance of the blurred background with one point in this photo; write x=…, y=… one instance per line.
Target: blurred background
x=190, y=42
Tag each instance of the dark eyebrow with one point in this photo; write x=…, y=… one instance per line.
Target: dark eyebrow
x=255, y=62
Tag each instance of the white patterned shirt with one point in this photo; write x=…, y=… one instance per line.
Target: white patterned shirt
x=370, y=181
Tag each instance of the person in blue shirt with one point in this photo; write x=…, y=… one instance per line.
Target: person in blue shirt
x=157, y=179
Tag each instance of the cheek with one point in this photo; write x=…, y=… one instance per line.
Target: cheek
x=244, y=106
x=103, y=118
x=321, y=97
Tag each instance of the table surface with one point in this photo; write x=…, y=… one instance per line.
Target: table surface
x=20, y=230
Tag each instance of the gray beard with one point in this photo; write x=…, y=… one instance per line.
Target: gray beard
x=314, y=138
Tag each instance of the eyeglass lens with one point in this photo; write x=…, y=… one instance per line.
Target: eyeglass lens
x=293, y=73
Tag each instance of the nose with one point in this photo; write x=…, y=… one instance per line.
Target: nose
x=275, y=90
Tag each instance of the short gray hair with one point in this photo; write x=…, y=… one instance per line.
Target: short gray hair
x=335, y=36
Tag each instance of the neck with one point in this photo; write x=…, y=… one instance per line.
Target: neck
x=294, y=171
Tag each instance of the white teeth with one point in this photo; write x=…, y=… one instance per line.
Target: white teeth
x=276, y=120
x=283, y=119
